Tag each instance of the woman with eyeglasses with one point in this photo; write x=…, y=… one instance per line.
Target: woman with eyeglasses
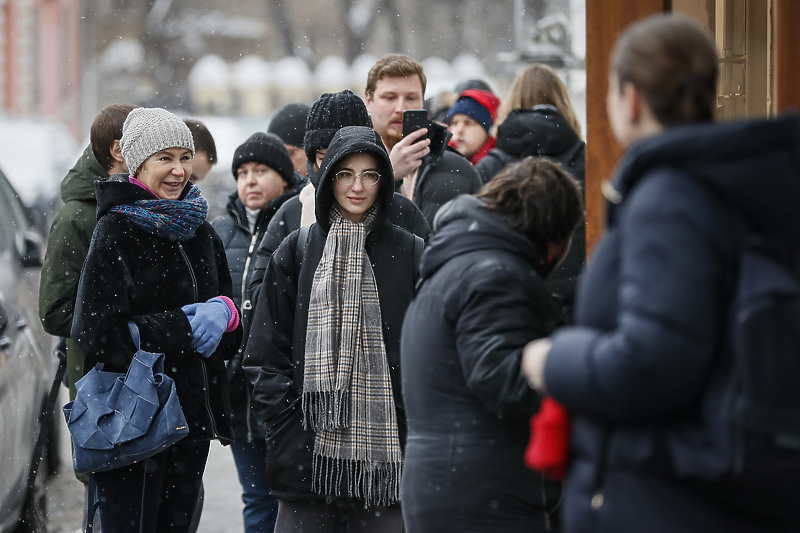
x=324, y=349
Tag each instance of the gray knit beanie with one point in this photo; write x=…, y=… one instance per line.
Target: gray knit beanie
x=148, y=130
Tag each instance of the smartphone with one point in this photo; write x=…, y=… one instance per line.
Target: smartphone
x=414, y=119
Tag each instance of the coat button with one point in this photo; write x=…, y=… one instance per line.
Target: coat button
x=597, y=500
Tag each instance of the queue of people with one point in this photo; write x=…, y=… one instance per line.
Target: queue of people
x=376, y=320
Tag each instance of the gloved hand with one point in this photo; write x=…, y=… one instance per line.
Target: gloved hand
x=209, y=321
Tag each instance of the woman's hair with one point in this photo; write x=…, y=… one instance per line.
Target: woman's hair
x=537, y=85
x=537, y=199
x=672, y=61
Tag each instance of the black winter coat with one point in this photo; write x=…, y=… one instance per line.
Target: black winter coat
x=240, y=249
x=404, y=214
x=468, y=405
x=543, y=132
x=443, y=179
x=274, y=358
x=132, y=275
x=637, y=370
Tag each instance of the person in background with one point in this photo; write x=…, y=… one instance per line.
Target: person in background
x=156, y=262
x=289, y=123
x=330, y=113
x=397, y=83
x=537, y=119
x=470, y=120
x=72, y=228
x=644, y=370
x=482, y=298
x=205, y=155
x=323, y=352
x=265, y=179
x=71, y=233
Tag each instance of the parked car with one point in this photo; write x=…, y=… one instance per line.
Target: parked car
x=27, y=365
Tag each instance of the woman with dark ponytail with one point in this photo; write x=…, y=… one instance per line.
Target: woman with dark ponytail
x=645, y=370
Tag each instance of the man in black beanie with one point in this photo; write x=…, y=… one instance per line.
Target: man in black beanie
x=289, y=123
x=265, y=180
x=330, y=113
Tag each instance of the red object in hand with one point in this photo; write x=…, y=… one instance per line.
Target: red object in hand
x=548, y=447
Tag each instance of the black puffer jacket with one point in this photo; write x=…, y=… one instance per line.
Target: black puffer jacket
x=240, y=249
x=540, y=132
x=274, y=359
x=132, y=275
x=467, y=403
x=543, y=132
x=404, y=214
x=441, y=180
x=644, y=366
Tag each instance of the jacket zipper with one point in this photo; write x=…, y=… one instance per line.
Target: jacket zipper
x=191, y=272
x=247, y=305
x=202, y=361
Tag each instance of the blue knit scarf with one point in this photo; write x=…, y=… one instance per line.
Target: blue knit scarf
x=176, y=220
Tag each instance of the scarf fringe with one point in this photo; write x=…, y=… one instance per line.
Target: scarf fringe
x=326, y=410
x=377, y=483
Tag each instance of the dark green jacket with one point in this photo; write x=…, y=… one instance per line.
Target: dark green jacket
x=67, y=247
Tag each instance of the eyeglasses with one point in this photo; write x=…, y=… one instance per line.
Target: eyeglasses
x=348, y=177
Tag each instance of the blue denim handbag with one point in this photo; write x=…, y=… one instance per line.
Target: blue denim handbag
x=118, y=419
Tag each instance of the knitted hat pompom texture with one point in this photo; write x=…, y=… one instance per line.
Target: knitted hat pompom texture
x=148, y=130
x=330, y=113
x=289, y=123
x=267, y=149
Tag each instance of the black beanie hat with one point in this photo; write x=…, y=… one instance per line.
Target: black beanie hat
x=289, y=123
x=267, y=149
x=329, y=114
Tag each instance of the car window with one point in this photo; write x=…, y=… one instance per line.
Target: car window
x=16, y=214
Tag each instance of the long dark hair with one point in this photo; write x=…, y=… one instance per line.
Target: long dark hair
x=672, y=62
x=538, y=199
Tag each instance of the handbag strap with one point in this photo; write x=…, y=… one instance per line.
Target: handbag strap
x=134, y=334
x=92, y=504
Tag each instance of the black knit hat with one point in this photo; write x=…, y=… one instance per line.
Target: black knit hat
x=329, y=114
x=267, y=149
x=289, y=123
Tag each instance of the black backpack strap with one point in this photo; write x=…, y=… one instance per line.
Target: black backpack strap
x=302, y=247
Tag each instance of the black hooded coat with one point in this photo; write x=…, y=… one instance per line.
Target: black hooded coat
x=240, y=245
x=468, y=406
x=543, y=132
x=133, y=275
x=275, y=350
x=641, y=369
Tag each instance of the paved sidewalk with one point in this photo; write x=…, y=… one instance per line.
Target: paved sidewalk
x=222, y=506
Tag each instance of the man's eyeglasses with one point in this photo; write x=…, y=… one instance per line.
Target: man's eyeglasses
x=348, y=177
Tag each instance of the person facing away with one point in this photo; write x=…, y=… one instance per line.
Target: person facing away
x=324, y=349
x=537, y=119
x=482, y=298
x=265, y=179
x=641, y=370
x=289, y=123
x=330, y=113
x=394, y=84
x=155, y=261
x=205, y=150
x=470, y=119
x=71, y=231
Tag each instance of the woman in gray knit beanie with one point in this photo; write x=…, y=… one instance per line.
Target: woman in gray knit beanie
x=155, y=264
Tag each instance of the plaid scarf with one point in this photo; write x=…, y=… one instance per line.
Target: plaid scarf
x=347, y=392
x=176, y=220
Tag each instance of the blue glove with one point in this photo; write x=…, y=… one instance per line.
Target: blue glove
x=208, y=321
